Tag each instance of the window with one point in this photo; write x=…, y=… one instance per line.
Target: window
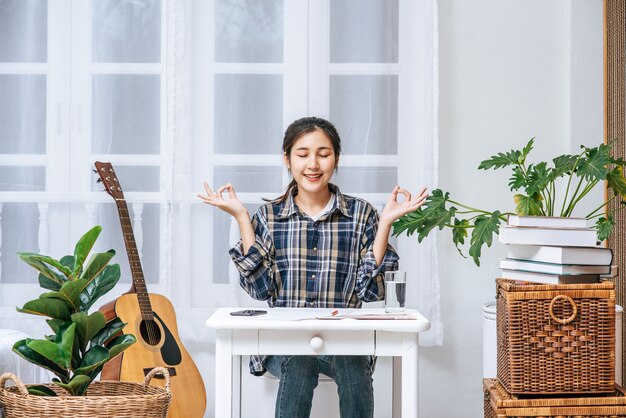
x=76, y=90
x=262, y=64
x=175, y=92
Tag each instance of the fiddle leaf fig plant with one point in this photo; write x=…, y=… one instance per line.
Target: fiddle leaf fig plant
x=81, y=343
x=535, y=194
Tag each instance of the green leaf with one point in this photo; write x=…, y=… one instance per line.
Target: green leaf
x=484, y=228
x=21, y=348
x=69, y=293
x=52, y=275
x=40, y=390
x=100, y=285
x=83, y=247
x=41, y=263
x=563, y=164
x=96, y=264
x=433, y=213
x=439, y=218
x=88, y=326
x=459, y=233
x=435, y=203
x=528, y=205
x=94, y=358
x=50, y=284
x=60, y=352
x=74, y=385
x=119, y=344
x=52, y=308
x=604, y=227
x=526, y=150
x=593, y=165
x=616, y=181
x=502, y=159
x=517, y=180
x=112, y=328
x=55, y=324
x=67, y=261
x=538, y=178
x=409, y=222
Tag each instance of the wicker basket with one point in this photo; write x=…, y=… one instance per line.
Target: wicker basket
x=104, y=399
x=499, y=404
x=556, y=339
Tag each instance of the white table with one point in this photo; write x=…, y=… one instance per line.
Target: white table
x=295, y=331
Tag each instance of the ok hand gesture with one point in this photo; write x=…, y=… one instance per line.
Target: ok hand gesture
x=232, y=205
x=394, y=210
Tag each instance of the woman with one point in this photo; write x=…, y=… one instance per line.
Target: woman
x=315, y=247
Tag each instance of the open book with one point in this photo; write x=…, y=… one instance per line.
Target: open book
x=372, y=316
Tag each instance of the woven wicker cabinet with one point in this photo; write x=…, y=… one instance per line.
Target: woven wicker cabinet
x=556, y=339
x=499, y=404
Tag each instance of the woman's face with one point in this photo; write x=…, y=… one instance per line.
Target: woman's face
x=312, y=161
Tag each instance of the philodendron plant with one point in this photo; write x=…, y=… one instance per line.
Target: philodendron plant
x=539, y=197
x=82, y=343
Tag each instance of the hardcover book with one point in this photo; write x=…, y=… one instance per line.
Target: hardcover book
x=529, y=276
x=561, y=255
x=547, y=221
x=551, y=268
x=581, y=237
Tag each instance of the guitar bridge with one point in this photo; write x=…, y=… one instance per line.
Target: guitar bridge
x=172, y=371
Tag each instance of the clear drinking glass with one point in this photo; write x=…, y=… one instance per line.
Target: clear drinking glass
x=395, y=291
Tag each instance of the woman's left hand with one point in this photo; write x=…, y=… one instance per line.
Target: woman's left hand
x=394, y=210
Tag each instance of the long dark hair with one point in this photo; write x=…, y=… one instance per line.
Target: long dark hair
x=304, y=126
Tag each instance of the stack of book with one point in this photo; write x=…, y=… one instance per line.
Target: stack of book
x=553, y=250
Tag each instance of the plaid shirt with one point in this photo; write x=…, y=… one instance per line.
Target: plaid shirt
x=298, y=262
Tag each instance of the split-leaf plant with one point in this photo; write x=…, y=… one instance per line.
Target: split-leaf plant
x=536, y=187
x=82, y=343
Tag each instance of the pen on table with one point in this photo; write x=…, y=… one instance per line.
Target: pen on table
x=333, y=313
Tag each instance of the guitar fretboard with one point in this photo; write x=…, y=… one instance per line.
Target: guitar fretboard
x=133, y=258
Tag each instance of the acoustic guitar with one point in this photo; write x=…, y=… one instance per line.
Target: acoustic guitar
x=151, y=318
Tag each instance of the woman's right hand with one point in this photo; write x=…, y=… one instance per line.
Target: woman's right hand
x=232, y=205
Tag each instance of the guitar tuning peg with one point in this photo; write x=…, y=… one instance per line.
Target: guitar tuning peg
x=94, y=170
x=99, y=180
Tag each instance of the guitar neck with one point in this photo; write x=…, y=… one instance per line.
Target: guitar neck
x=139, y=284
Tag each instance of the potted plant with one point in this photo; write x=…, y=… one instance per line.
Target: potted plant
x=81, y=343
x=536, y=187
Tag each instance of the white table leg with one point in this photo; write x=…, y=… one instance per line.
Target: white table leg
x=223, y=373
x=410, y=378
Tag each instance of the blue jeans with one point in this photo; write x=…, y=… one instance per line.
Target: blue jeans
x=299, y=376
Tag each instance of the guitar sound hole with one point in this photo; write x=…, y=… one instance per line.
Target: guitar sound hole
x=150, y=331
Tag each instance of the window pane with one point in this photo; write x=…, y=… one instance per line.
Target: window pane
x=20, y=229
x=126, y=114
x=111, y=237
x=363, y=31
x=365, y=111
x=248, y=114
x=22, y=179
x=23, y=30
x=23, y=114
x=135, y=179
x=248, y=31
x=126, y=30
x=221, y=239
x=366, y=179
x=250, y=179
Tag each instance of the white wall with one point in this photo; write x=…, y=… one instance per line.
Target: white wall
x=509, y=71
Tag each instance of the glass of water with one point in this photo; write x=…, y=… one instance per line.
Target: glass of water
x=395, y=291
